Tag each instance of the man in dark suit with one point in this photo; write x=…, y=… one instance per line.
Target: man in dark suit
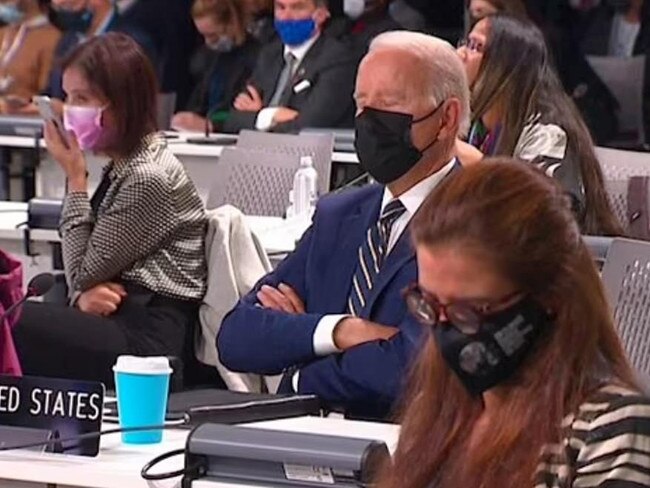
x=303, y=79
x=331, y=316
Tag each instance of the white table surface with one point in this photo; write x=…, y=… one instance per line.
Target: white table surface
x=278, y=237
x=179, y=146
x=119, y=465
x=198, y=159
x=276, y=234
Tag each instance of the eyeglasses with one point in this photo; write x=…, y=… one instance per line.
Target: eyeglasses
x=471, y=45
x=465, y=315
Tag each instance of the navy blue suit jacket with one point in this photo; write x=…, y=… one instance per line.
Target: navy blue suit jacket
x=366, y=380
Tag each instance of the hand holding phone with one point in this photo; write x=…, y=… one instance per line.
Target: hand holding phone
x=46, y=110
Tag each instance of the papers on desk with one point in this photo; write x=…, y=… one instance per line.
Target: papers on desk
x=278, y=235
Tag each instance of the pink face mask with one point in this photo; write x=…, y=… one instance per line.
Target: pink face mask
x=85, y=123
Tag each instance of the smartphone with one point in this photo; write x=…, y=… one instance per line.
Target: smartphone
x=45, y=108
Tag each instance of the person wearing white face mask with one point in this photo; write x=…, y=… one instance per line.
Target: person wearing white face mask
x=232, y=54
x=133, y=253
x=26, y=52
x=363, y=21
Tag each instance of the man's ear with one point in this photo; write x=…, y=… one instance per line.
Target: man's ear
x=450, y=119
x=321, y=15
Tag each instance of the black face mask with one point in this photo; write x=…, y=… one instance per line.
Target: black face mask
x=492, y=355
x=384, y=145
x=68, y=20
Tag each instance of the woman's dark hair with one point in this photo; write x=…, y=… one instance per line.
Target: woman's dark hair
x=224, y=12
x=117, y=69
x=518, y=76
x=515, y=218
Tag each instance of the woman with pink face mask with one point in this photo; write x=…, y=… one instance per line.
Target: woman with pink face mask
x=133, y=253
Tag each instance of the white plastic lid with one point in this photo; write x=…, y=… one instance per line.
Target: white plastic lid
x=142, y=365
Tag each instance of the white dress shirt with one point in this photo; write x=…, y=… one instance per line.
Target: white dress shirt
x=623, y=36
x=264, y=120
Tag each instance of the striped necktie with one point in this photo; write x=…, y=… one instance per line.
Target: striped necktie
x=372, y=254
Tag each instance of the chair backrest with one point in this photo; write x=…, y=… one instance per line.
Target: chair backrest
x=343, y=138
x=256, y=182
x=626, y=276
x=625, y=79
x=318, y=146
x=166, y=108
x=618, y=166
x=598, y=247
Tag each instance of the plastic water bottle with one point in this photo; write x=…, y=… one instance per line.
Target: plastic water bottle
x=305, y=188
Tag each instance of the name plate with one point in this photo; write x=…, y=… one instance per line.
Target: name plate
x=56, y=408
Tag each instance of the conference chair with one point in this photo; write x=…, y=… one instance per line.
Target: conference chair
x=626, y=277
x=598, y=247
x=256, y=182
x=618, y=166
x=318, y=146
x=625, y=79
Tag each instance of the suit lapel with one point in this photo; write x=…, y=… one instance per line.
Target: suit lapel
x=305, y=71
x=351, y=233
x=273, y=71
x=305, y=68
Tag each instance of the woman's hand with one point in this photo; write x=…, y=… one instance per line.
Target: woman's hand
x=102, y=299
x=65, y=149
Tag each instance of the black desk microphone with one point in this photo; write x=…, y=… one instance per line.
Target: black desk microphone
x=38, y=286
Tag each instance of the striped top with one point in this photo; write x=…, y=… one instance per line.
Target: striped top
x=607, y=444
x=149, y=228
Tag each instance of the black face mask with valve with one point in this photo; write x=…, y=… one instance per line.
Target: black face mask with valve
x=493, y=354
x=384, y=145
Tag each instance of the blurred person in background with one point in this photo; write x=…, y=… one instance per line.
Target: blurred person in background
x=222, y=23
x=478, y=9
x=83, y=20
x=363, y=20
x=27, y=46
x=303, y=79
x=260, y=19
x=169, y=25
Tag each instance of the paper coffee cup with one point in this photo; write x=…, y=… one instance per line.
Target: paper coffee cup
x=142, y=387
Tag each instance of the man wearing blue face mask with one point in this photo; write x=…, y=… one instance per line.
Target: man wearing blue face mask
x=304, y=79
x=331, y=316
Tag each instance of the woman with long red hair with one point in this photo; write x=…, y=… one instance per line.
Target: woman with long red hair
x=523, y=381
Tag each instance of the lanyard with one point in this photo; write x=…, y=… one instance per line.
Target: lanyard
x=8, y=50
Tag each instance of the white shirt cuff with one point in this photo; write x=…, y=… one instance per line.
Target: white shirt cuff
x=264, y=119
x=324, y=335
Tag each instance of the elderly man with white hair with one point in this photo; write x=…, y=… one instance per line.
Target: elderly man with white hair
x=331, y=316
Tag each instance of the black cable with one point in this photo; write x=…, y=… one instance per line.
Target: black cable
x=197, y=469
